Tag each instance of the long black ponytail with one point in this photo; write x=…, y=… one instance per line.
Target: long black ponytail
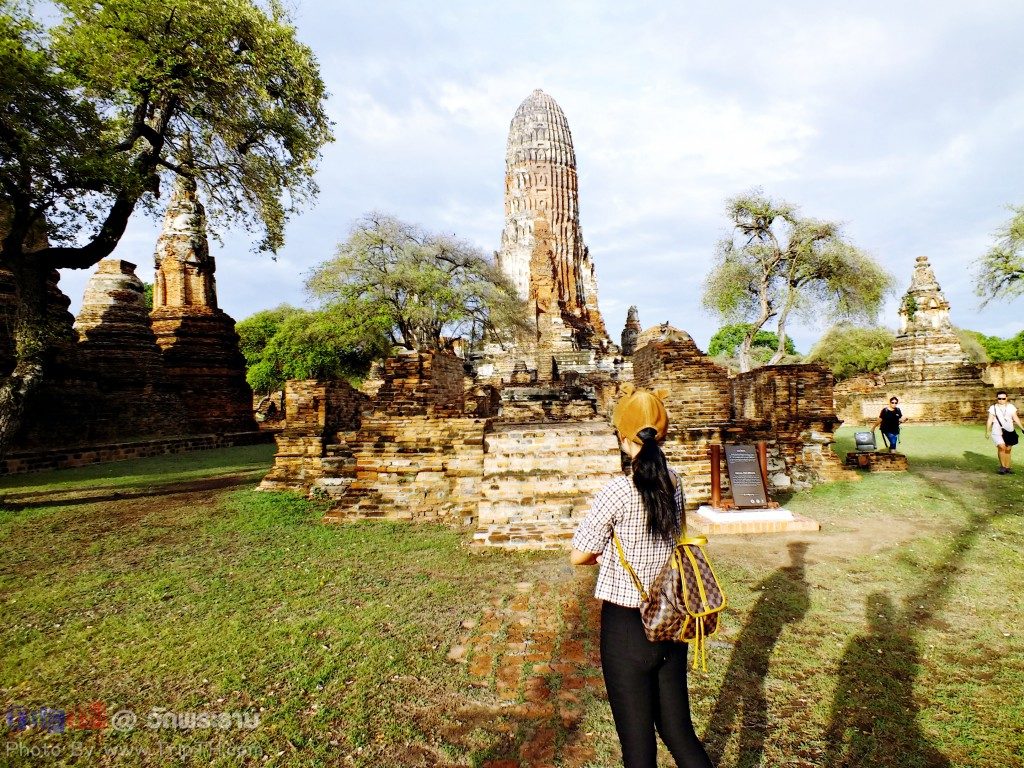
x=652, y=479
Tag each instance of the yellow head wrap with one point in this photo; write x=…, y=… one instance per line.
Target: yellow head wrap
x=638, y=409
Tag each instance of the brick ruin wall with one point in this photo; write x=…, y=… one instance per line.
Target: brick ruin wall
x=699, y=408
x=788, y=407
x=19, y=462
x=317, y=414
x=411, y=451
x=791, y=408
x=422, y=383
x=417, y=449
x=859, y=400
x=1005, y=375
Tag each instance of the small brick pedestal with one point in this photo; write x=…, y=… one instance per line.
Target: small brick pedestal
x=877, y=462
x=708, y=520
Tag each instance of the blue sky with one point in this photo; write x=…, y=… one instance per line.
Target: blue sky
x=903, y=120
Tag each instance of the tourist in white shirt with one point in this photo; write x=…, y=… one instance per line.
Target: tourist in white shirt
x=1001, y=427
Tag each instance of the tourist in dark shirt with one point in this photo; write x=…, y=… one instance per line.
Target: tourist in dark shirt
x=889, y=420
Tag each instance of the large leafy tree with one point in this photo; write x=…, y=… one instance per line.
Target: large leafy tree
x=776, y=262
x=1001, y=270
x=325, y=344
x=256, y=331
x=995, y=348
x=117, y=97
x=728, y=338
x=424, y=286
x=850, y=350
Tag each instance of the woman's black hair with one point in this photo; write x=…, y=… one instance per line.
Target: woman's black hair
x=651, y=477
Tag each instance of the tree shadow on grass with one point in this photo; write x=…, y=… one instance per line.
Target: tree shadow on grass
x=784, y=599
x=59, y=499
x=874, y=713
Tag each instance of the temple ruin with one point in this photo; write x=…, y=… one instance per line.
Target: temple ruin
x=928, y=369
x=198, y=340
x=515, y=442
x=124, y=382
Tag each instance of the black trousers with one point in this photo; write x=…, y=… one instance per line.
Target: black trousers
x=646, y=685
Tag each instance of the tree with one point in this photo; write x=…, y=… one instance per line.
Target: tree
x=728, y=339
x=256, y=331
x=995, y=348
x=849, y=350
x=424, y=286
x=102, y=109
x=1001, y=271
x=775, y=263
x=327, y=344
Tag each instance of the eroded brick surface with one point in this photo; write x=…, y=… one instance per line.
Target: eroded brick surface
x=536, y=651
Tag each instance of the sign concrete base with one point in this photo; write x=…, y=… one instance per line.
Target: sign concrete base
x=709, y=520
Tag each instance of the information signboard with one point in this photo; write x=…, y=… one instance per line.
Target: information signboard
x=745, y=476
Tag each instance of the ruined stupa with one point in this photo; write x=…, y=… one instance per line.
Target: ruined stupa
x=198, y=340
x=631, y=331
x=927, y=347
x=542, y=248
x=928, y=368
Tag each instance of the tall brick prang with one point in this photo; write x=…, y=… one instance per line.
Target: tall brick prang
x=542, y=249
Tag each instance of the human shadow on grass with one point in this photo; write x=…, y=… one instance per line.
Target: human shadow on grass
x=874, y=714
x=784, y=599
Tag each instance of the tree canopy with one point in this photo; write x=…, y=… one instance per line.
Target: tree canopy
x=424, y=286
x=996, y=349
x=121, y=94
x=104, y=107
x=728, y=338
x=850, y=350
x=776, y=262
x=290, y=343
x=1000, y=272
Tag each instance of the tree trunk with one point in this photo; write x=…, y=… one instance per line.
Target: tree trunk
x=743, y=355
x=781, y=333
x=31, y=340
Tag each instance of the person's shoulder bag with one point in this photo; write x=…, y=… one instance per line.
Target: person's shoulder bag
x=1009, y=435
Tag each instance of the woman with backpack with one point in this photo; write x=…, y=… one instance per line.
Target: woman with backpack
x=646, y=681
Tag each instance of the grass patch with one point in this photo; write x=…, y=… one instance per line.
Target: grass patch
x=890, y=638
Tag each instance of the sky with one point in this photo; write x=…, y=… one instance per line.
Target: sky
x=904, y=121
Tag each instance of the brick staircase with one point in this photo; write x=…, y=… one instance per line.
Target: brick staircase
x=538, y=480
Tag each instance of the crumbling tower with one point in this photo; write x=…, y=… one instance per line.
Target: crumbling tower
x=927, y=348
x=198, y=340
x=542, y=249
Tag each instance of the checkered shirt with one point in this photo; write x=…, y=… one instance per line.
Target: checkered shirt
x=620, y=507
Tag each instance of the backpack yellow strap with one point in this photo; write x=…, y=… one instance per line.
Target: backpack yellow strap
x=629, y=569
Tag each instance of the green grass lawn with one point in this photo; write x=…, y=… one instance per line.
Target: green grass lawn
x=891, y=638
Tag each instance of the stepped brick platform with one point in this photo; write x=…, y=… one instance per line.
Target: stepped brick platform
x=877, y=461
x=538, y=481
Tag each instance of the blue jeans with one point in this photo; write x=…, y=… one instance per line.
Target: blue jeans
x=891, y=438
